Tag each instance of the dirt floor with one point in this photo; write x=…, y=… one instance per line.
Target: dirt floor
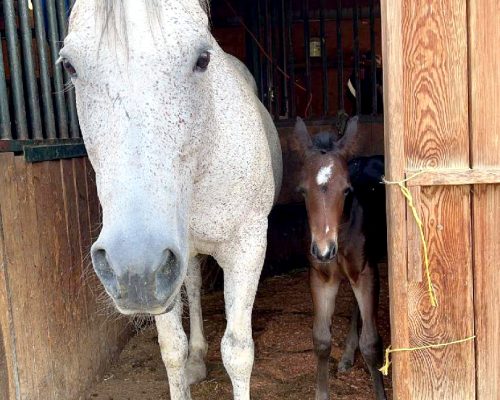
x=284, y=360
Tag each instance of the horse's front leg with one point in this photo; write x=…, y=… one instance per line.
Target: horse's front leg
x=242, y=262
x=324, y=291
x=196, y=369
x=366, y=290
x=174, y=350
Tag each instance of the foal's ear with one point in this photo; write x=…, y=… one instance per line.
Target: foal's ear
x=302, y=135
x=348, y=144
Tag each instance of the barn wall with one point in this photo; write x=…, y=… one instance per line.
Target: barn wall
x=57, y=335
x=441, y=82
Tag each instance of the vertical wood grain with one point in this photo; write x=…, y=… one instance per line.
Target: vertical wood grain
x=392, y=51
x=484, y=36
x=12, y=387
x=446, y=212
x=56, y=340
x=426, y=89
x=435, y=83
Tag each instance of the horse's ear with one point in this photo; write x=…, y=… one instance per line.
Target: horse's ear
x=348, y=144
x=300, y=131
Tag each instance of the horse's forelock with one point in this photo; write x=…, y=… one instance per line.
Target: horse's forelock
x=111, y=14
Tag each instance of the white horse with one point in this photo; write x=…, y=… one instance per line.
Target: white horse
x=187, y=163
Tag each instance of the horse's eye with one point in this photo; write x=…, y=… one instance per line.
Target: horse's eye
x=69, y=68
x=347, y=191
x=203, y=61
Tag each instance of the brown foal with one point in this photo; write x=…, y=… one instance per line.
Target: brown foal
x=338, y=244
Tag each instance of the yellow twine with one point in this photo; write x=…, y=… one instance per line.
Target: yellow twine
x=407, y=194
x=389, y=350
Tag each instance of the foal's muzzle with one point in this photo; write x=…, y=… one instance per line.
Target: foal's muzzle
x=145, y=289
x=326, y=254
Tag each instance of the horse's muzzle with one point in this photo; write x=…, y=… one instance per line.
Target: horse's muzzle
x=149, y=290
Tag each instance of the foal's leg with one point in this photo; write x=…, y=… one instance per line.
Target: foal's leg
x=366, y=290
x=242, y=262
x=351, y=342
x=174, y=350
x=324, y=291
x=196, y=370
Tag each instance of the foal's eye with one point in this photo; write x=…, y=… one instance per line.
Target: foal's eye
x=302, y=191
x=69, y=68
x=347, y=191
x=203, y=61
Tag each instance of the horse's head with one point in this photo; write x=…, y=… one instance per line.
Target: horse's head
x=325, y=185
x=141, y=70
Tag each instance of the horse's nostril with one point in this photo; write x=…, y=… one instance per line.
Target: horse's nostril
x=315, y=250
x=333, y=251
x=105, y=272
x=168, y=261
x=166, y=274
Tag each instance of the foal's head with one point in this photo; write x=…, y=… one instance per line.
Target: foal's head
x=325, y=185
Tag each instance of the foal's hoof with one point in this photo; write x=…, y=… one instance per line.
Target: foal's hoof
x=345, y=365
x=196, y=371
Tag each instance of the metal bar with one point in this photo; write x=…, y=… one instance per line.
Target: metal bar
x=5, y=124
x=373, y=65
x=324, y=56
x=307, y=50
x=16, y=146
x=357, y=78
x=269, y=50
x=35, y=154
x=292, y=105
x=330, y=121
x=262, y=59
x=273, y=37
x=15, y=70
x=340, y=58
x=29, y=71
x=44, y=60
x=283, y=62
x=53, y=35
x=62, y=19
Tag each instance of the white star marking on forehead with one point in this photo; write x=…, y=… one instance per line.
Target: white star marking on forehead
x=324, y=175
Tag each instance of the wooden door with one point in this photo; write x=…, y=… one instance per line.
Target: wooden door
x=442, y=83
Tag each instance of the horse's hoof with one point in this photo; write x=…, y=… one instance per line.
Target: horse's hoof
x=345, y=365
x=196, y=371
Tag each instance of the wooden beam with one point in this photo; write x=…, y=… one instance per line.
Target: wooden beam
x=392, y=53
x=453, y=177
x=484, y=35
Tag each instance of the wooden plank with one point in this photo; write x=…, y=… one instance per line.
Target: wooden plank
x=425, y=66
x=17, y=270
x=449, y=241
x=484, y=34
x=33, y=275
x=487, y=289
x=435, y=84
x=51, y=230
x=11, y=389
x=72, y=287
x=453, y=177
x=392, y=50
